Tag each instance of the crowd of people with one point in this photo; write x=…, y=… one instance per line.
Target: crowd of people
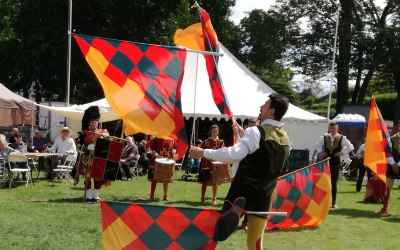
x=257, y=158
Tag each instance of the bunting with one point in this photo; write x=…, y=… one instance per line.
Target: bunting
x=202, y=36
x=139, y=226
x=377, y=144
x=305, y=195
x=142, y=84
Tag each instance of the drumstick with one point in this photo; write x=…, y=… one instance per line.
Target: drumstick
x=266, y=213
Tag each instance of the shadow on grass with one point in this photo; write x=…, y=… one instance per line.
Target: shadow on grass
x=63, y=200
x=391, y=219
x=355, y=213
x=301, y=229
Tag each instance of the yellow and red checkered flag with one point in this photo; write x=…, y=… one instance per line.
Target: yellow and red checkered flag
x=305, y=195
x=143, y=226
x=142, y=84
x=377, y=145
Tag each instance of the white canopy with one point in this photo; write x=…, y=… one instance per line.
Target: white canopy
x=245, y=92
x=350, y=118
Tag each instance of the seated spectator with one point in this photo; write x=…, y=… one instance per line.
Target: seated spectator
x=18, y=145
x=129, y=158
x=39, y=142
x=14, y=132
x=194, y=164
x=143, y=160
x=4, y=149
x=64, y=144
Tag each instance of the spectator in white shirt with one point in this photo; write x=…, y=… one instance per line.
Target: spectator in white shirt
x=64, y=144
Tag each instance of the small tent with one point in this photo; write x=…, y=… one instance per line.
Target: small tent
x=15, y=110
x=245, y=91
x=353, y=126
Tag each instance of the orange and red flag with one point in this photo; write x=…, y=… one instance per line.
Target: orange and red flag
x=202, y=36
x=377, y=144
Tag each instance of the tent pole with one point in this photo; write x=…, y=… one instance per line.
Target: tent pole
x=192, y=141
x=123, y=127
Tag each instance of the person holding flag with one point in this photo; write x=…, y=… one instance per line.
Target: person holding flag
x=262, y=152
x=90, y=132
x=392, y=170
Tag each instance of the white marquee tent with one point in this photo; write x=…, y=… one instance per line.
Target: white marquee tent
x=245, y=91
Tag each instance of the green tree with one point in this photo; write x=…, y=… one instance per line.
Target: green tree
x=33, y=38
x=361, y=37
x=260, y=42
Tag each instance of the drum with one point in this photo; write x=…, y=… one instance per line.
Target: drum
x=220, y=172
x=164, y=170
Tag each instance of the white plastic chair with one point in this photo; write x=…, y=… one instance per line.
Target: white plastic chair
x=18, y=159
x=135, y=170
x=344, y=172
x=4, y=172
x=63, y=171
x=178, y=165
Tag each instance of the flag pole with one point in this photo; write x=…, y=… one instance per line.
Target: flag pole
x=266, y=213
x=69, y=53
x=207, y=40
x=333, y=60
x=156, y=45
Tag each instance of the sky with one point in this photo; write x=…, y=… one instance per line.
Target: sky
x=243, y=6
x=247, y=5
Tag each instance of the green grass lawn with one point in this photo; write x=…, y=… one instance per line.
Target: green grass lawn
x=51, y=215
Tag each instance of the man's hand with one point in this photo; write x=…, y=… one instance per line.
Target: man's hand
x=337, y=154
x=395, y=168
x=237, y=130
x=196, y=152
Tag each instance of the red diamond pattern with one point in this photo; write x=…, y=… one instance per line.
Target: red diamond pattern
x=318, y=195
x=138, y=227
x=206, y=215
x=172, y=228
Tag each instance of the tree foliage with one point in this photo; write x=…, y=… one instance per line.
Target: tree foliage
x=33, y=38
x=362, y=41
x=260, y=41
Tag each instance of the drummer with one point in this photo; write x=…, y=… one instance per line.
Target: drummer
x=214, y=142
x=160, y=148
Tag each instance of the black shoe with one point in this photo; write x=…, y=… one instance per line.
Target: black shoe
x=229, y=221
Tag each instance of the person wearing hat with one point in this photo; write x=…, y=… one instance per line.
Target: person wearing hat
x=90, y=132
x=64, y=144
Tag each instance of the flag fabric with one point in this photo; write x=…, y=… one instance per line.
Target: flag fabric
x=142, y=84
x=107, y=155
x=140, y=226
x=377, y=144
x=202, y=36
x=305, y=195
